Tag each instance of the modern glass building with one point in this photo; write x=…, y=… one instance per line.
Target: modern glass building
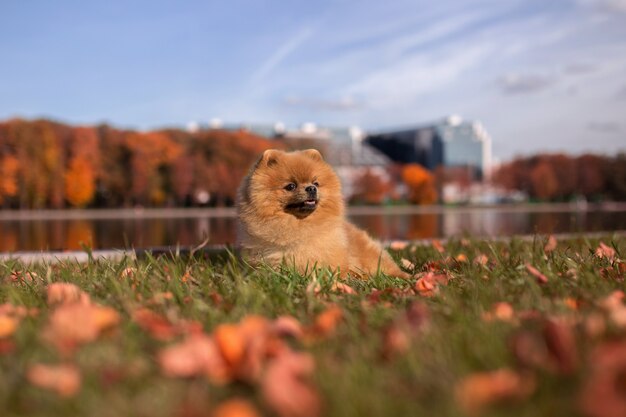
x=452, y=143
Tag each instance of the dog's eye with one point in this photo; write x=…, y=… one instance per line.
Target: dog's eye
x=315, y=183
x=290, y=187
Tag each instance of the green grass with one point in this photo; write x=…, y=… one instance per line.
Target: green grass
x=121, y=377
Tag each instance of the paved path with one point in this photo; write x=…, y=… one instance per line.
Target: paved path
x=217, y=250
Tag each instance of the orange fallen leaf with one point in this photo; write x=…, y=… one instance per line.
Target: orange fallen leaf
x=343, y=288
x=461, y=257
x=396, y=341
x=541, y=278
x=285, y=388
x=63, y=292
x=481, y=259
x=477, y=391
x=326, y=322
x=603, y=390
x=287, y=326
x=427, y=285
x=236, y=407
x=561, y=344
x=197, y=355
x=501, y=311
x=71, y=325
x=128, y=273
x=398, y=245
x=438, y=246
x=550, y=245
x=605, y=251
x=231, y=343
x=65, y=380
x=156, y=325
x=8, y=325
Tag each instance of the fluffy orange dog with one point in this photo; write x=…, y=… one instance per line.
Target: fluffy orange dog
x=291, y=210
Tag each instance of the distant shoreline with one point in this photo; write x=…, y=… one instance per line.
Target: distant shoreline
x=226, y=212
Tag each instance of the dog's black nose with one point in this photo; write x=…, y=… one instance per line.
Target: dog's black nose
x=311, y=190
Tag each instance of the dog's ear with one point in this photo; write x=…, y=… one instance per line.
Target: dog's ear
x=313, y=154
x=270, y=157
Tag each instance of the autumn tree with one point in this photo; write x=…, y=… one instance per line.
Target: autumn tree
x=9, y=167
x=543, y=180
x=371, y=187
x=420, y=183
x=81, y=172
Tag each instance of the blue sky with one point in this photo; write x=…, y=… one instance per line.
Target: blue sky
x=540, y=75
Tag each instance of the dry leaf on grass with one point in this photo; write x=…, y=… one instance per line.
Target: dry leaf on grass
x=64, y=293
x=8, y=325
x=438, y=246
x=605, y=251
x=285, y=386
x=160, y=328
x=480, y=390
x=501, y=311
x=326, y=322
x=398, y=245
x=550, y=245
x=236, y=407
x=195, y=356
x=541, y=278
x=481, y=259
x=428, y=284
x=65, y=380
x=603, y=393
x=288, y=326
x=71, y=325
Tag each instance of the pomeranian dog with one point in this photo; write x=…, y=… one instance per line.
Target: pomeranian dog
x=291, y=210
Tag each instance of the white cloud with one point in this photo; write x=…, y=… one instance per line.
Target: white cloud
x=606, y=5
x=403, y=82
x=280, y=54
x=524, y=83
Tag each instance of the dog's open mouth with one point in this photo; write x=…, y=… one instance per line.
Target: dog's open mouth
x=303, y=206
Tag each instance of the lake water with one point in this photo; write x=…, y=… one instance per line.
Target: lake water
x=22, y=231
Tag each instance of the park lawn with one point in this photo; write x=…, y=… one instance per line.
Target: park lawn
x=518, y=328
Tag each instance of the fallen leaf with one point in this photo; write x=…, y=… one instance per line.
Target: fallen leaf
x=8, y=325
x=326, y=322
x=155, y=324
x=196, y=355
x=461, y=257
x=71, y=325
x=231, y=343
x=128, y=273
x=541, y=278
x=427, y=285
x=288, y=326
x=407, y=264
x=550, y=245
x=500, y=311
x=236, y=407
x=398, y=245
x=561, y=344
x=481, y=259
x=477, y=391
x=438, y=246
x=396, y=341
x=343, y=288
x=605, y=251
x=63, y=292
x=603, y=390
x=65, y=380
x=285, y=387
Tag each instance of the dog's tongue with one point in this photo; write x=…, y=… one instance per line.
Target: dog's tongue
x=309, y=203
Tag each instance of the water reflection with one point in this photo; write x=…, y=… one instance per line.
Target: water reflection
x=150, y=232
